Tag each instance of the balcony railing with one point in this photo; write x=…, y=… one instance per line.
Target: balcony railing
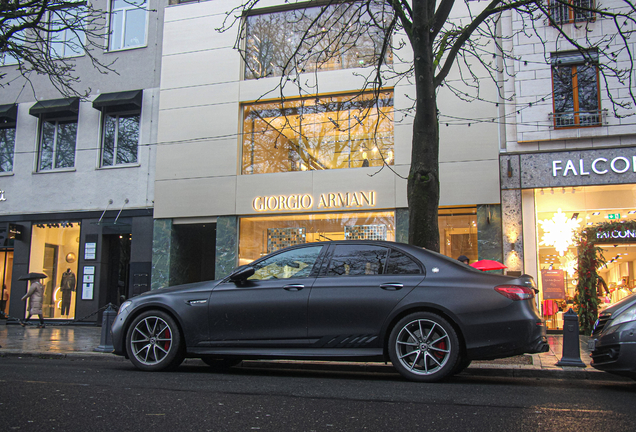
x=578, y=118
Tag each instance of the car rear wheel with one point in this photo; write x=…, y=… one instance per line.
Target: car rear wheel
x=154, y=342
x=424, y=347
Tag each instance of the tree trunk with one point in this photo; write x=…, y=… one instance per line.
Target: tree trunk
x=423, y=181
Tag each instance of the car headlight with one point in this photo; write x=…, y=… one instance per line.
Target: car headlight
x=124, y=306
x=627, y=316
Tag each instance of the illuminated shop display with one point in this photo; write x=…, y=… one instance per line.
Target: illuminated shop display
x=54, y=251
x=562, y=213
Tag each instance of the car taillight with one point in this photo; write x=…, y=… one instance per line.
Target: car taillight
x=515, y=292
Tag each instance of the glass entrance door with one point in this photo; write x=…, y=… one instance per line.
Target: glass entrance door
x=6, y=271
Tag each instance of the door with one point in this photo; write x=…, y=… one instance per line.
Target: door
x=359, y=288
x=270, y=308
x=6, y=271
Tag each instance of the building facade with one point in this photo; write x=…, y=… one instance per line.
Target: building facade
x=245, y=166
x=77, y=174
x=568, y=161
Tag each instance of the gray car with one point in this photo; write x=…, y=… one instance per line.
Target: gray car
x=613, y=340
x=344, y=300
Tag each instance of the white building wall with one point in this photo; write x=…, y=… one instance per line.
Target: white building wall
x=200, y=122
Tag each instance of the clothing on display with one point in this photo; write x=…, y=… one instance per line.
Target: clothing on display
x=67, y=286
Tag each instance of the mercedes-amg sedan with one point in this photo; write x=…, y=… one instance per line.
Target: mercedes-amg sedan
x=344, y=300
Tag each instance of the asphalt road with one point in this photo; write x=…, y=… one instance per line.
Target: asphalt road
x=95, y=395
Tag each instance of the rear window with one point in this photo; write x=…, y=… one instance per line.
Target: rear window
x=400, y=263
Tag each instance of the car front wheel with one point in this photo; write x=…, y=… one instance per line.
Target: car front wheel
x=424, y=347
x=154, y=342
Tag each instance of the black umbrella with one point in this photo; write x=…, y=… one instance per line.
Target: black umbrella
x=33, y=276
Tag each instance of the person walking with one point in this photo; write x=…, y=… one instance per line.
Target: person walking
x=36, y=297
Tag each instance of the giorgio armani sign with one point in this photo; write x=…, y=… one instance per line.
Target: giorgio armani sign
x=578, y=168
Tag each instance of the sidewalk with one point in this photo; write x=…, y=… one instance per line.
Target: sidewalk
x=80, y=341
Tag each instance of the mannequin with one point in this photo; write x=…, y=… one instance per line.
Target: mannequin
x=67, y=286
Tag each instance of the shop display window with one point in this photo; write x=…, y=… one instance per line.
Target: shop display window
x=318, y=133
x=261, y=235
x=54, y=252
x=562, y=213
x=6, y=272
x=458, y=232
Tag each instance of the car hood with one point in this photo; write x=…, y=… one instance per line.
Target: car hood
x=193, y=287
x=620, y=306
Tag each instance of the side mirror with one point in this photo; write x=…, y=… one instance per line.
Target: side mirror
x=241, y=274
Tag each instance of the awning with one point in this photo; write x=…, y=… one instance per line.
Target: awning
x=8, y=113
x=124, y=101
x=56, y=107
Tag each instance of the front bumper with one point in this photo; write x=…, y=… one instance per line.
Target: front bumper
x=615, y=351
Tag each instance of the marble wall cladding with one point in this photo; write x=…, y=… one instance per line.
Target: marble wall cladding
x=510, y=171
x=402, y=225
x=226, y=245
x=489, y=233
x=161, y=241
x=578, y=168
x=512, y=224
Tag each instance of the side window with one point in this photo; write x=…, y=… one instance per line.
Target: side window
x=128, y=20
x=295, y=263
x=400, y=263
x=356, y=260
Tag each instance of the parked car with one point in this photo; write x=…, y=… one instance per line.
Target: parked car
x=344, y=300
x=613, y=340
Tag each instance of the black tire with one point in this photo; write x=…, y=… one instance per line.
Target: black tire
x=424, y=347
x=461, y=365
x=221, y=363
x=154, y=342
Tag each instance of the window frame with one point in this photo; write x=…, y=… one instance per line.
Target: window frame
x=66, y=42
x=113, y=112
x=111, y=14
x=5, y=126
x=574, y=63
x=553, y=5
x=57, y=121
x=282, y=106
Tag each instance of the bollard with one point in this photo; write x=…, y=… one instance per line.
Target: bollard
x=571, y=347
x=106, y=341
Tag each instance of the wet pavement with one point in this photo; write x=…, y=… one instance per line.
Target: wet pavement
x=80, y=341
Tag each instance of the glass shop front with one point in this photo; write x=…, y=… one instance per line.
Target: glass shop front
x=561, y=213
x=260, y=235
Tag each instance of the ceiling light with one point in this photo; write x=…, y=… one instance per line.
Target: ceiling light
x=631, y=212
x=596, y=213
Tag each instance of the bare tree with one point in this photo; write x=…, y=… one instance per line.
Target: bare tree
x=419, y=41
x=43, y=37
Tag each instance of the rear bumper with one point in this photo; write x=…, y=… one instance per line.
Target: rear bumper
x=529, y=338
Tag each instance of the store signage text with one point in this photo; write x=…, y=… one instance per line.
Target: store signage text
x=600, y=166
x=2, y=198
x=330, y=200
x=616, y=234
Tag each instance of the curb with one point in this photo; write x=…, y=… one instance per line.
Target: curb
x=474, y=371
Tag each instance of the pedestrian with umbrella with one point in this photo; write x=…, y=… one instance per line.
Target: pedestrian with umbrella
x=35, y=296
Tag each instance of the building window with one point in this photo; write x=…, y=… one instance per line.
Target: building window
x=7, y=145
x=128, y=21
x=57, y=144
x=328, y=132
x=576, y=89
x=273, y=38
x=571, y=11
x=260, y=235
x=66, y=37
x=120, y=139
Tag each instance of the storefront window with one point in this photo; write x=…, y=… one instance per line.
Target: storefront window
x=259, y=236
x=328, y=132
x=6, y=272
x=54, y=252
x=560, y=214
x=458, y=232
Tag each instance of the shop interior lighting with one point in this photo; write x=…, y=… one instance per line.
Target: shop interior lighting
x=631, y=212
x=596, y=213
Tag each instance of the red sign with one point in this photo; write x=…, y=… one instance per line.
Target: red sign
x=553, y=282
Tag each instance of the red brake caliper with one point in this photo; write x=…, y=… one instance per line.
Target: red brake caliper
x=441, y=345
x=166, y=335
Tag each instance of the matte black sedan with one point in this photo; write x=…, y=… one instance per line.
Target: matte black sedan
x=345, y=300
x=613, y=340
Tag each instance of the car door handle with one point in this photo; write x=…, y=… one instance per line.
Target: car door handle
x=392, y=286
x=294, y=287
